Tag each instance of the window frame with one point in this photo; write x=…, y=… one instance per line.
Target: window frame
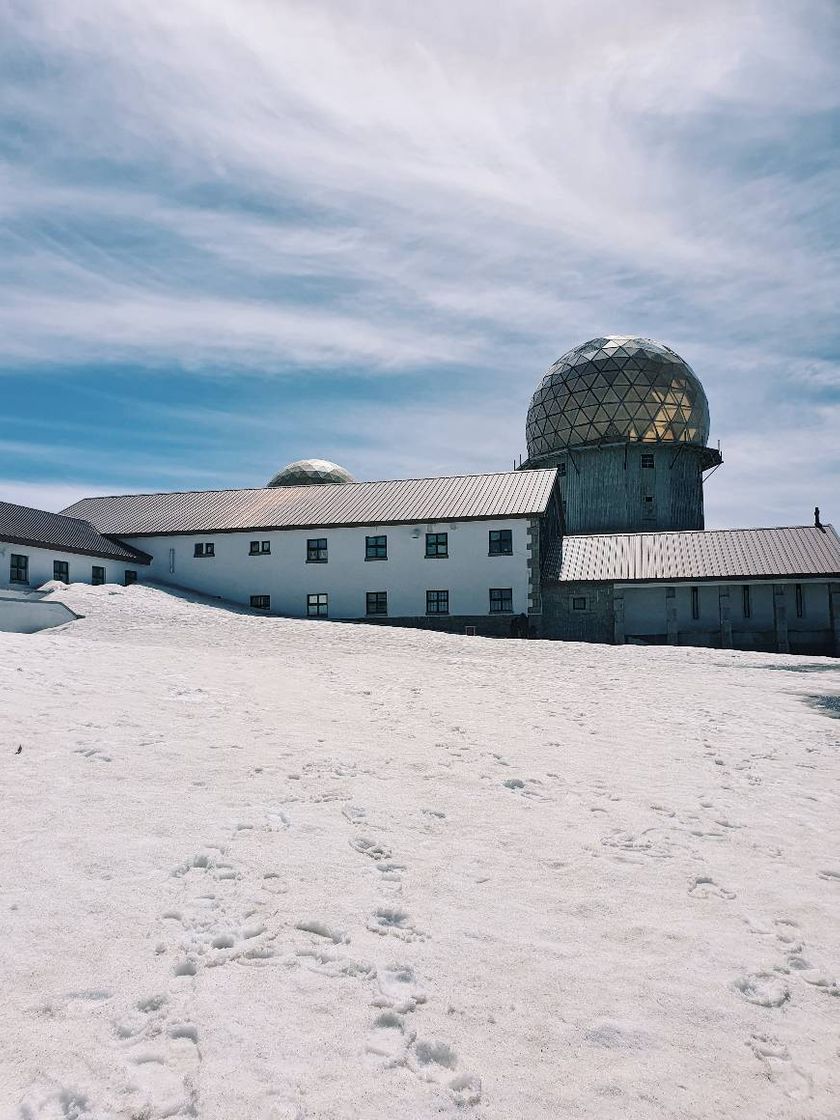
x=314, y=547
x=313, y=610
x=19, y=562
x=648, y=461
x=502, y=595
x=203, y=550
x=264, y=603
x=499, y=534
x=129, y=577
x=378, y=595
x=372, y=546
x=259, y=548
x=98, y=580
x=442, y=597
x=433, y=546
x=579, y=599
x=65, y=565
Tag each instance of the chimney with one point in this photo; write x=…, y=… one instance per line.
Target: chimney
x=817, y=523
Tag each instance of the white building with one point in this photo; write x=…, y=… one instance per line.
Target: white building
x=599, y=537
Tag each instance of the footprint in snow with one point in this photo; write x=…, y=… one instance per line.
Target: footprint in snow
x=390, y=920
x=399, y=989
x=389, y=1039
x=367, y=847
x=780, y=1069
x=765, y=989
x=703, y=886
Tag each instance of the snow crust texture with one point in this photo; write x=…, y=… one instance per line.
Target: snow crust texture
x=285, y=870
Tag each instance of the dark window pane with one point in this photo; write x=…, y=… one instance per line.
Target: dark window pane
x=261, y=602
x=437, y=544
x=61, y=570
x=316, y=550
x=254, y=548
x=376, y=602
x=97, y=575
x=18, y=568
x=437, y=602
x=501, y=542
x=130, y=577
x=376, y=548
x=579, y=603
x=501, y=600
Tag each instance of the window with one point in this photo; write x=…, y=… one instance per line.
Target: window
x=561, y=470
x=97, y=575
x=61, y=570
x=376, y=602
x=18, y=568
x=695, y=602
x=208, y=548
x=316, y=550
x=317, y=606
x=579, y=603
x=501, y=600
x=800, y=602
x=437, y=602
x=129, y=577
x=746, y=601
x=647, y=460
x=376, y=548
x=501, y=542
x=437, y=545
x=260, y=548
x=261, y=602
x=647, y=506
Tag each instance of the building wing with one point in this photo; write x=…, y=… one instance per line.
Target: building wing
x=38, y=528
x=456, y=498
x=711, y=554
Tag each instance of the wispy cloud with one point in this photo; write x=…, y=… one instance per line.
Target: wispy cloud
x=441, y=197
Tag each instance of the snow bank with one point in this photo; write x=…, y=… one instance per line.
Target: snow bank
x=257, y=868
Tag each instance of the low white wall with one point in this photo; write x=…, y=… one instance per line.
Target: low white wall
x=41, y=565
x=28, y=616
x=467, y=574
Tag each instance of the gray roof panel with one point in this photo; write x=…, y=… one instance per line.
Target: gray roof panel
x=702, y=555
x=38, y=528
x=456, y=498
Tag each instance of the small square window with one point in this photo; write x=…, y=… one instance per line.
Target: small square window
x=376, y=602
x=61, y=570
x=376, y=548
x=265, y=548
x=97, y=575
x=317, y=606
x=18, y=568
x=261, y=602
x=205, y=548
x=501, y=600
x=579, y=603
x=501, y=542
x=316, y=550
x=647, y=460
x=437, y=602
x=129, y=577
x=254, y=548
x=437, y=545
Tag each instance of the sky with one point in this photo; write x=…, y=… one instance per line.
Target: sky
x=235, y=233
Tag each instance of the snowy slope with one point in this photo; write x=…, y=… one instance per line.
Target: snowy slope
x=266, y=869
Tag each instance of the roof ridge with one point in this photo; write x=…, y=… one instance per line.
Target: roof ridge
x=302, y=486
x=704, y=532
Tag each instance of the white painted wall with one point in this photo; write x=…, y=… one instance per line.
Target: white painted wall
x=41, y=565
x=468, y=573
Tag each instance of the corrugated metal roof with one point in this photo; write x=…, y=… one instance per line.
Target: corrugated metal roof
x=37, y=527
x=703, y=554
x=457, y=498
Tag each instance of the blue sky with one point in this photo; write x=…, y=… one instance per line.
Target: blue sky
x=239, y=233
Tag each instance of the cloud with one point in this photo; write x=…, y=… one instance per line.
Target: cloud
x=444, y=197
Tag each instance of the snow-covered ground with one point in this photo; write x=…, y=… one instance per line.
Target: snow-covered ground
x=258, y=869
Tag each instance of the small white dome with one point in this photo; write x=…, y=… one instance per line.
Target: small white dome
x=310, y=472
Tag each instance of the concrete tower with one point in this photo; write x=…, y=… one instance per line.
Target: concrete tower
x=625, y=420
